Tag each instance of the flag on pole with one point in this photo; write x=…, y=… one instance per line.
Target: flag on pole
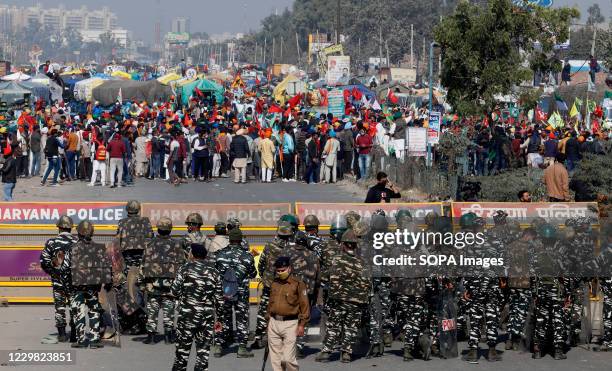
x=376, y=106
x=120, y=96
x=578, y=102
x=364, y=101
x=391, y=97
x=540, y=115
x=574, y=111
x=555, y=120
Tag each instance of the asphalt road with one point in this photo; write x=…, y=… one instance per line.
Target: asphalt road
x=218, y=191
x=22, y=327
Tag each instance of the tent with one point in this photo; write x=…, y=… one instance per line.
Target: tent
x=151, y=91
x=168, y=78
x=205, y=86
x=291, y=86
x=83, y=90
x=12, y=91
x=17, y=76
x=122, y=75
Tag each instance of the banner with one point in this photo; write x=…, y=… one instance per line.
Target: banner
x=99, y=213
x=417, y=141
x=525, y=212
x=335, y=102
x=327, y=212
x=21, y=265
x=338, y=69
x=249, y=214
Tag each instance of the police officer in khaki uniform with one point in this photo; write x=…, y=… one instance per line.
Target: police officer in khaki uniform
x=288, y=313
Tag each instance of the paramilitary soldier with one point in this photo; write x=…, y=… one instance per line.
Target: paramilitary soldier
x=482, y=291
x=550, y=294
x=311, y=227
x=305, y=267
x=198, y=290
x=133, y=234
x=349, y=288
x=271, y=252
x=519, y=267
x=234, y=223
x=50, y=260
x=160, y=261
x=89, y=268
x=236, y=268
x=194, y=234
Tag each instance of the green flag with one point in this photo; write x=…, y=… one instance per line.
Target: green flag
x=591, y=105
x=578, y=102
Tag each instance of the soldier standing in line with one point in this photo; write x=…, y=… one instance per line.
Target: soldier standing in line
x=519, y=265
x=311, y=227
x=271, y=252
x=482, y=291
x=133, y=234
x=194, y=234
x=351, y=219
x=50, y=259
x=160, y=261
x=550, y=294
x=305, y=267
x=89, y=268
x=349, y=289
x=603, y=267
x=236, y=268
x=198, y=290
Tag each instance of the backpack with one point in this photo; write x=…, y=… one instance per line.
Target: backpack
x=230, y=285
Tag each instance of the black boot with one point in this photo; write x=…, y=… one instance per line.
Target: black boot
x=537, y=353
x=559, y=354
x=73, y=337
x=61, y=335
x=150, y=338
x=493, y=355
x=168, y=337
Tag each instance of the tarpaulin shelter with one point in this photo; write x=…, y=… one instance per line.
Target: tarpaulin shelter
x=169, y=78
x=205, y=86
x=83, y=90
x=122, y=75
x=17, y=76
x=151, y=91
x=369, y=94
x=43, y=87
x=12, y=91
x=291, y=86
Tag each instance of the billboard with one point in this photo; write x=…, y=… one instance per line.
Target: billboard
x=177, y=38
x=338, y=69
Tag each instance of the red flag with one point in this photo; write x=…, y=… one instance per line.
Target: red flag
x=198, y=92
x=324, y=99
x=259, y=106
x=257, y=82
x=540, y=115
x=275, y=109
x=347, y=96
x=391, y=97
x=295, y=100
x=357, y=94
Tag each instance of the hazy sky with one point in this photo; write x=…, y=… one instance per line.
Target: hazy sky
x=213, y=16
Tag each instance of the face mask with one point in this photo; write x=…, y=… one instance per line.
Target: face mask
x=283, y=275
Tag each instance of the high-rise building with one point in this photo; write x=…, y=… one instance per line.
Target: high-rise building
x=181, y=24
x=14, y=18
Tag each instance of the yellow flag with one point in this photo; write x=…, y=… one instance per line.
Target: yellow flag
x=574, y=111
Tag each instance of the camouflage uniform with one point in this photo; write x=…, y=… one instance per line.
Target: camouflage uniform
x=59, y=282
x=349, y=288
x=243, y=264
x=160, y=262
x=89, y=267
x=133, y=234
x=305, y=267
x=266, y=270
x=198, y=291
x=234, y=223
x=194, y=235
x=550, y=294
x=519, y=264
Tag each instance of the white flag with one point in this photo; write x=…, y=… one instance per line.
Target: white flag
x=376, y=106
x=120, y=96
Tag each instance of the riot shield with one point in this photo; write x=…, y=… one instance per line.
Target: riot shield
x=447, y=324
x=108, y=300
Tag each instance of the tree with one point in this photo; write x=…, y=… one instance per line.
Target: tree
x=73, y=39
x=484, y=49
x=107, y=43
x=595, y=16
